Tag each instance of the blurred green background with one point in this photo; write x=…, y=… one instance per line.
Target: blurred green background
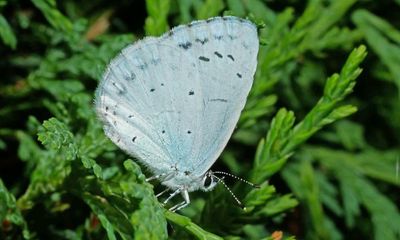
x=319, y=134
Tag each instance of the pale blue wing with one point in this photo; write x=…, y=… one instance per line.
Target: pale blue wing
x=146, y=103
x=173, y=101
x=225, y=49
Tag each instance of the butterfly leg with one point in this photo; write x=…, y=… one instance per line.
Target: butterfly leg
x=172, y=195
x=162, y=177
x=156, y=177
x=183, y=204
x=161, y=193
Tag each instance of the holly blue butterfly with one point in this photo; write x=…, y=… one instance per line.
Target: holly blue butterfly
x=172, y=102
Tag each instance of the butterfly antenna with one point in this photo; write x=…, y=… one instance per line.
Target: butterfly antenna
x=238, y=178
x=230, y=191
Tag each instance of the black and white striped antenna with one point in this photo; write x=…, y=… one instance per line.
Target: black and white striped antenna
x=229, y=190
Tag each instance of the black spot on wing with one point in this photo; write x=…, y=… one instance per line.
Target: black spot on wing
x=121, y=89
x=130, y=77
x=202, y=41
x=231, y=37
x=218, y=100
x=218, y=54
x=142, y=66
x=202, y=58
x=185, y=45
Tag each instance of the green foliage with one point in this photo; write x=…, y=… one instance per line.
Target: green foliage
x=53, y=16
x=6, y=33
x=282, y=137
x=9, y=213
x=126, y=205
x=186, y=223
x=209, y=8
x=61, y=178
x=383, y=38
x=156, y=22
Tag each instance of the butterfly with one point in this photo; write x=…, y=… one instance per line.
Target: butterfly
x=173, y=101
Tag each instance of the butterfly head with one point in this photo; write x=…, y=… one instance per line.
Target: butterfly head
x=210, y=181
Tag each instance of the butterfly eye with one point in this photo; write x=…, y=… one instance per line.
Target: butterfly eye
x=209, y=182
